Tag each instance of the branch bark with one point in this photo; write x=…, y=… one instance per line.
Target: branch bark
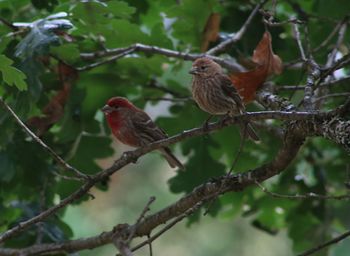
x=132, y=156
x=151, y=49
x=223, y=184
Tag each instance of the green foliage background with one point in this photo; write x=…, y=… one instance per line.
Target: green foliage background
x=81, y=135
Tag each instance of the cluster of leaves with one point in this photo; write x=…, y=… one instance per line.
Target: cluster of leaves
x=40, y=82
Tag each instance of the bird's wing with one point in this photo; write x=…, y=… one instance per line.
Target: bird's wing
x=230, y=90
x=147, y=129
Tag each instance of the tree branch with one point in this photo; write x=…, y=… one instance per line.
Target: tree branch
x=223, y=184
x=59, y=159
x=293, y=139
x=272, y=101
x=310, y=195
x=236, y=36
x=129, y=157
x=322, y=246
x=150, y=49
x=335, y=129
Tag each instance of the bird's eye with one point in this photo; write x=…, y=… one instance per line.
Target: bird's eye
x=203, y=67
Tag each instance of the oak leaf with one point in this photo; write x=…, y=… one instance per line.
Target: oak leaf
x=267, y=63
x=211, y=31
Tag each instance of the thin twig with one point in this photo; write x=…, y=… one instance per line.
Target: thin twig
x=324, y=245
x=236, y=36
x=302, y=197
x=121, y=243
x=331, y=35
x=268, y=18
x=9, y=24
x=325, y=84
x=139, y=219
x=155, y=85
x=333, y=95
x=59, y=160
x=234, y=162
x=108, y=60
x=340, y=63
x=283, y=23
x=168, y=226
x=72, y=178
x=335, y=50
x=167, y=99
x=314, y=70
x=150, y=246
x=151, y=49
x=299, y=43
x=240, y=149
x=321, y=91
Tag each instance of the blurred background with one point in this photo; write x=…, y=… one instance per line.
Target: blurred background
x=130, y=190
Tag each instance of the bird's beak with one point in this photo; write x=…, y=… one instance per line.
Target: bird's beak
x=107, y=109
x=193, y=71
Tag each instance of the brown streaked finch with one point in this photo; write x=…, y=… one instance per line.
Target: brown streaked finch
x=214, y=92
x=133, y=127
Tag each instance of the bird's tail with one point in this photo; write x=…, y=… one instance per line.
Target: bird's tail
x=247, y=128
x=172, y=160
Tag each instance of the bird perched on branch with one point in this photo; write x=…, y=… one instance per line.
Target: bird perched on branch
x=214, y=92
x=133, y=127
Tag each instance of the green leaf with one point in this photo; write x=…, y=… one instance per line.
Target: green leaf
x=273, y=212
x=7, y=167
x=45, y=4
x=199, y=168
x=302, y=225
x=121, y=9
x=11, y=75
x=67, y=52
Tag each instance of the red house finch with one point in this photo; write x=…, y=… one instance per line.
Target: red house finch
x=133, y=127
x=214, y=92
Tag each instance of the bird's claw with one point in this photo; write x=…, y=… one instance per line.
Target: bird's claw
x=205, y=126
x=206, y=123
x=224, y=119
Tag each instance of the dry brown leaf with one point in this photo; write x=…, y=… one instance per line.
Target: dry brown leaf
x=211, y=31
x=54, y=110
x=263, y=55
x=247, y=83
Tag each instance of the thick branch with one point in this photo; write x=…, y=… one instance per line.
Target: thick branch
x=129, y=157
x=335, y=129
x=59, y=160
x=221, y=185
x=272, y=101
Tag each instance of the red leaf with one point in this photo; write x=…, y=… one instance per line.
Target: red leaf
x=54, y=110
x=211, y=31
x=263, y=55
x=247, y=83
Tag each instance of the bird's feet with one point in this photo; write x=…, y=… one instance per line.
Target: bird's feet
x=206, y=123
x=224, y=119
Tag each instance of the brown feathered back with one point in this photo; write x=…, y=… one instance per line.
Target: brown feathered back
x=214, y=92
